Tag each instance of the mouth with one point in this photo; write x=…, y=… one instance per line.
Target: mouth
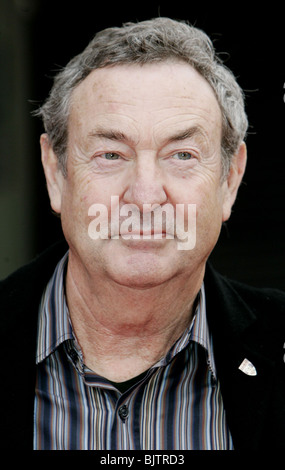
x=144, y=235
x=143, y=241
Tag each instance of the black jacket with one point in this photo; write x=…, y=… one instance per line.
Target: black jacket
x=246, y=323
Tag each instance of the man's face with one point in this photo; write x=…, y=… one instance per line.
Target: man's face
x=150, y=135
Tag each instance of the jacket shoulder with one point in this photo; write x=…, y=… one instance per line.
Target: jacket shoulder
x=21, y=291
x=235, y=306
x=257, y=298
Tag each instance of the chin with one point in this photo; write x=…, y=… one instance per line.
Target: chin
x=141, y=272
x=140, y=282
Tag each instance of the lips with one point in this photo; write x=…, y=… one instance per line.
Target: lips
x=144, y=233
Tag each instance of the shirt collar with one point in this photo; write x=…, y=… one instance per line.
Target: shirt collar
x=55, y=326
x=200, y=331
x=197, y=332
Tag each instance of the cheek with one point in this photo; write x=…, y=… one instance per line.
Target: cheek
x=75, y=203
x=209, y=220
x=205, y=192
x=78, y=205
x=209, y=210
x=79, y=192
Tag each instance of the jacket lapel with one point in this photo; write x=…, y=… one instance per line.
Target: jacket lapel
x=236, y=337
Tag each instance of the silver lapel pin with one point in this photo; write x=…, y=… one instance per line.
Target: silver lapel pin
x=247, y=367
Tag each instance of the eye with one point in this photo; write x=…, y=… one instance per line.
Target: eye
x=182, y=156
x=110, y=156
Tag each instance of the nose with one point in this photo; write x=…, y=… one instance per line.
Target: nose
x=146, y=183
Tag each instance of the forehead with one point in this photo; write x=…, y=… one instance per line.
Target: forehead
x=155, y=96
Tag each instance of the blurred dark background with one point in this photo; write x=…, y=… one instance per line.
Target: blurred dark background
x=37, y=37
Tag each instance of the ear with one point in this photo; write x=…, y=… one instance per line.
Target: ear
x=53, y=174
x=233, y=181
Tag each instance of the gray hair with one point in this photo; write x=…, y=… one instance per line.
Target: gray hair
x=149, y=41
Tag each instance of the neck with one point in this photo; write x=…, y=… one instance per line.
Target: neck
x=123, y=331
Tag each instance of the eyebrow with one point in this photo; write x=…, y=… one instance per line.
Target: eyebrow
x=109, y=134
x=119, y=136
x=186, y=134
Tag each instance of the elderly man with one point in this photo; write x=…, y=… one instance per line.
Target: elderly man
x=129, y=339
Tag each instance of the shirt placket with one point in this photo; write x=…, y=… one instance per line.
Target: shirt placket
x=120, y=434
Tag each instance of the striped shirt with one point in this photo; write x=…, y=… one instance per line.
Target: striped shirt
x=176, y=405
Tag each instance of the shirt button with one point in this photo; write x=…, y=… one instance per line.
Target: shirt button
x=123, y=412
